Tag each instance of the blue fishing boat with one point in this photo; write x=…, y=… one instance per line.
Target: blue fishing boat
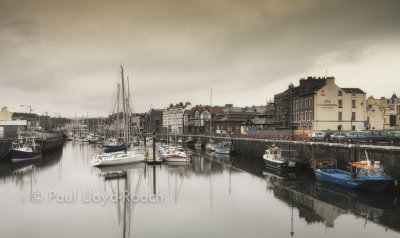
x=223, y=157
x=224, y=147
x=366, y=176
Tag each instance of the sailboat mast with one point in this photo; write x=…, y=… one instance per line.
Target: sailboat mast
x=123, y=102
x=128, y=107
x=210, y=112
x=118, y=122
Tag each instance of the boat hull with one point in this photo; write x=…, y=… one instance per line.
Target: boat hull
x=119, y=160
x=17, y=155
x=283, y=165
x=223, y=150
x=176, y=159
x=342, y=178
x=276, y=165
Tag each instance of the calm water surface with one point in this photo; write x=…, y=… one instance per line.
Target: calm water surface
x=211, y=197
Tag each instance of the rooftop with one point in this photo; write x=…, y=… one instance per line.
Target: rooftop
x=351, y=90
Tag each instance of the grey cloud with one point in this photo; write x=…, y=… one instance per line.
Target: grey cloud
x=175, y=49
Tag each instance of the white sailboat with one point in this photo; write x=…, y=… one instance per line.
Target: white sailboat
x=117, y=153
x=118, y=158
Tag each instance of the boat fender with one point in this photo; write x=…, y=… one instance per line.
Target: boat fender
x=395, y=182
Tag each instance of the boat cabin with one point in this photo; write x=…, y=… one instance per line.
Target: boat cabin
x=16, y=145
x=276, y=151
x=373, y=172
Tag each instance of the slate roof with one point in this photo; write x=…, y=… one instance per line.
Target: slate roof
x=310, y=86
x=351, y=90
x=200, y=109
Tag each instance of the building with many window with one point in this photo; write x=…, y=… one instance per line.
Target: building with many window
x=319, y=104
x=173, y=118
x=235, y=117
x=197, y=119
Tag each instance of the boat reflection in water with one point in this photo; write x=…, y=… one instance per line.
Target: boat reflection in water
x=226, y=158
x=224, y=196
x=120, y=181
x=21, y=171
x=323, y=202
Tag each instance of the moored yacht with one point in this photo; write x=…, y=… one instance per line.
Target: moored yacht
x=118, y=158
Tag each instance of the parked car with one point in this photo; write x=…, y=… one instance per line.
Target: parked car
x=339, y=137
x=394, y=137
x=376, y=136
x=356, y=136
x=320, y=136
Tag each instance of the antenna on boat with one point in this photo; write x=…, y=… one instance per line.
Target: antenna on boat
x=366, y=156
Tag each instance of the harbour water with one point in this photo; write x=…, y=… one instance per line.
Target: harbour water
x=61, y=195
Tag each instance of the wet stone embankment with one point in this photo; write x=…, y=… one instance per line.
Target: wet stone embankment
x=344, y=153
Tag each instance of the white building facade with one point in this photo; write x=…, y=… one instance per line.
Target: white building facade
x=173, y=119
x=326, y=106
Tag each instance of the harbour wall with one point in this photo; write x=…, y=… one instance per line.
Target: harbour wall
x=5, y=145
x=389, y=156
x=48, y=141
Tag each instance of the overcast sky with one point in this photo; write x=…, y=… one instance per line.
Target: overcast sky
x=64, y=56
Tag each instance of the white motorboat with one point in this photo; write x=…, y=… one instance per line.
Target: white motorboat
x=177, y=156
x=210, y=146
